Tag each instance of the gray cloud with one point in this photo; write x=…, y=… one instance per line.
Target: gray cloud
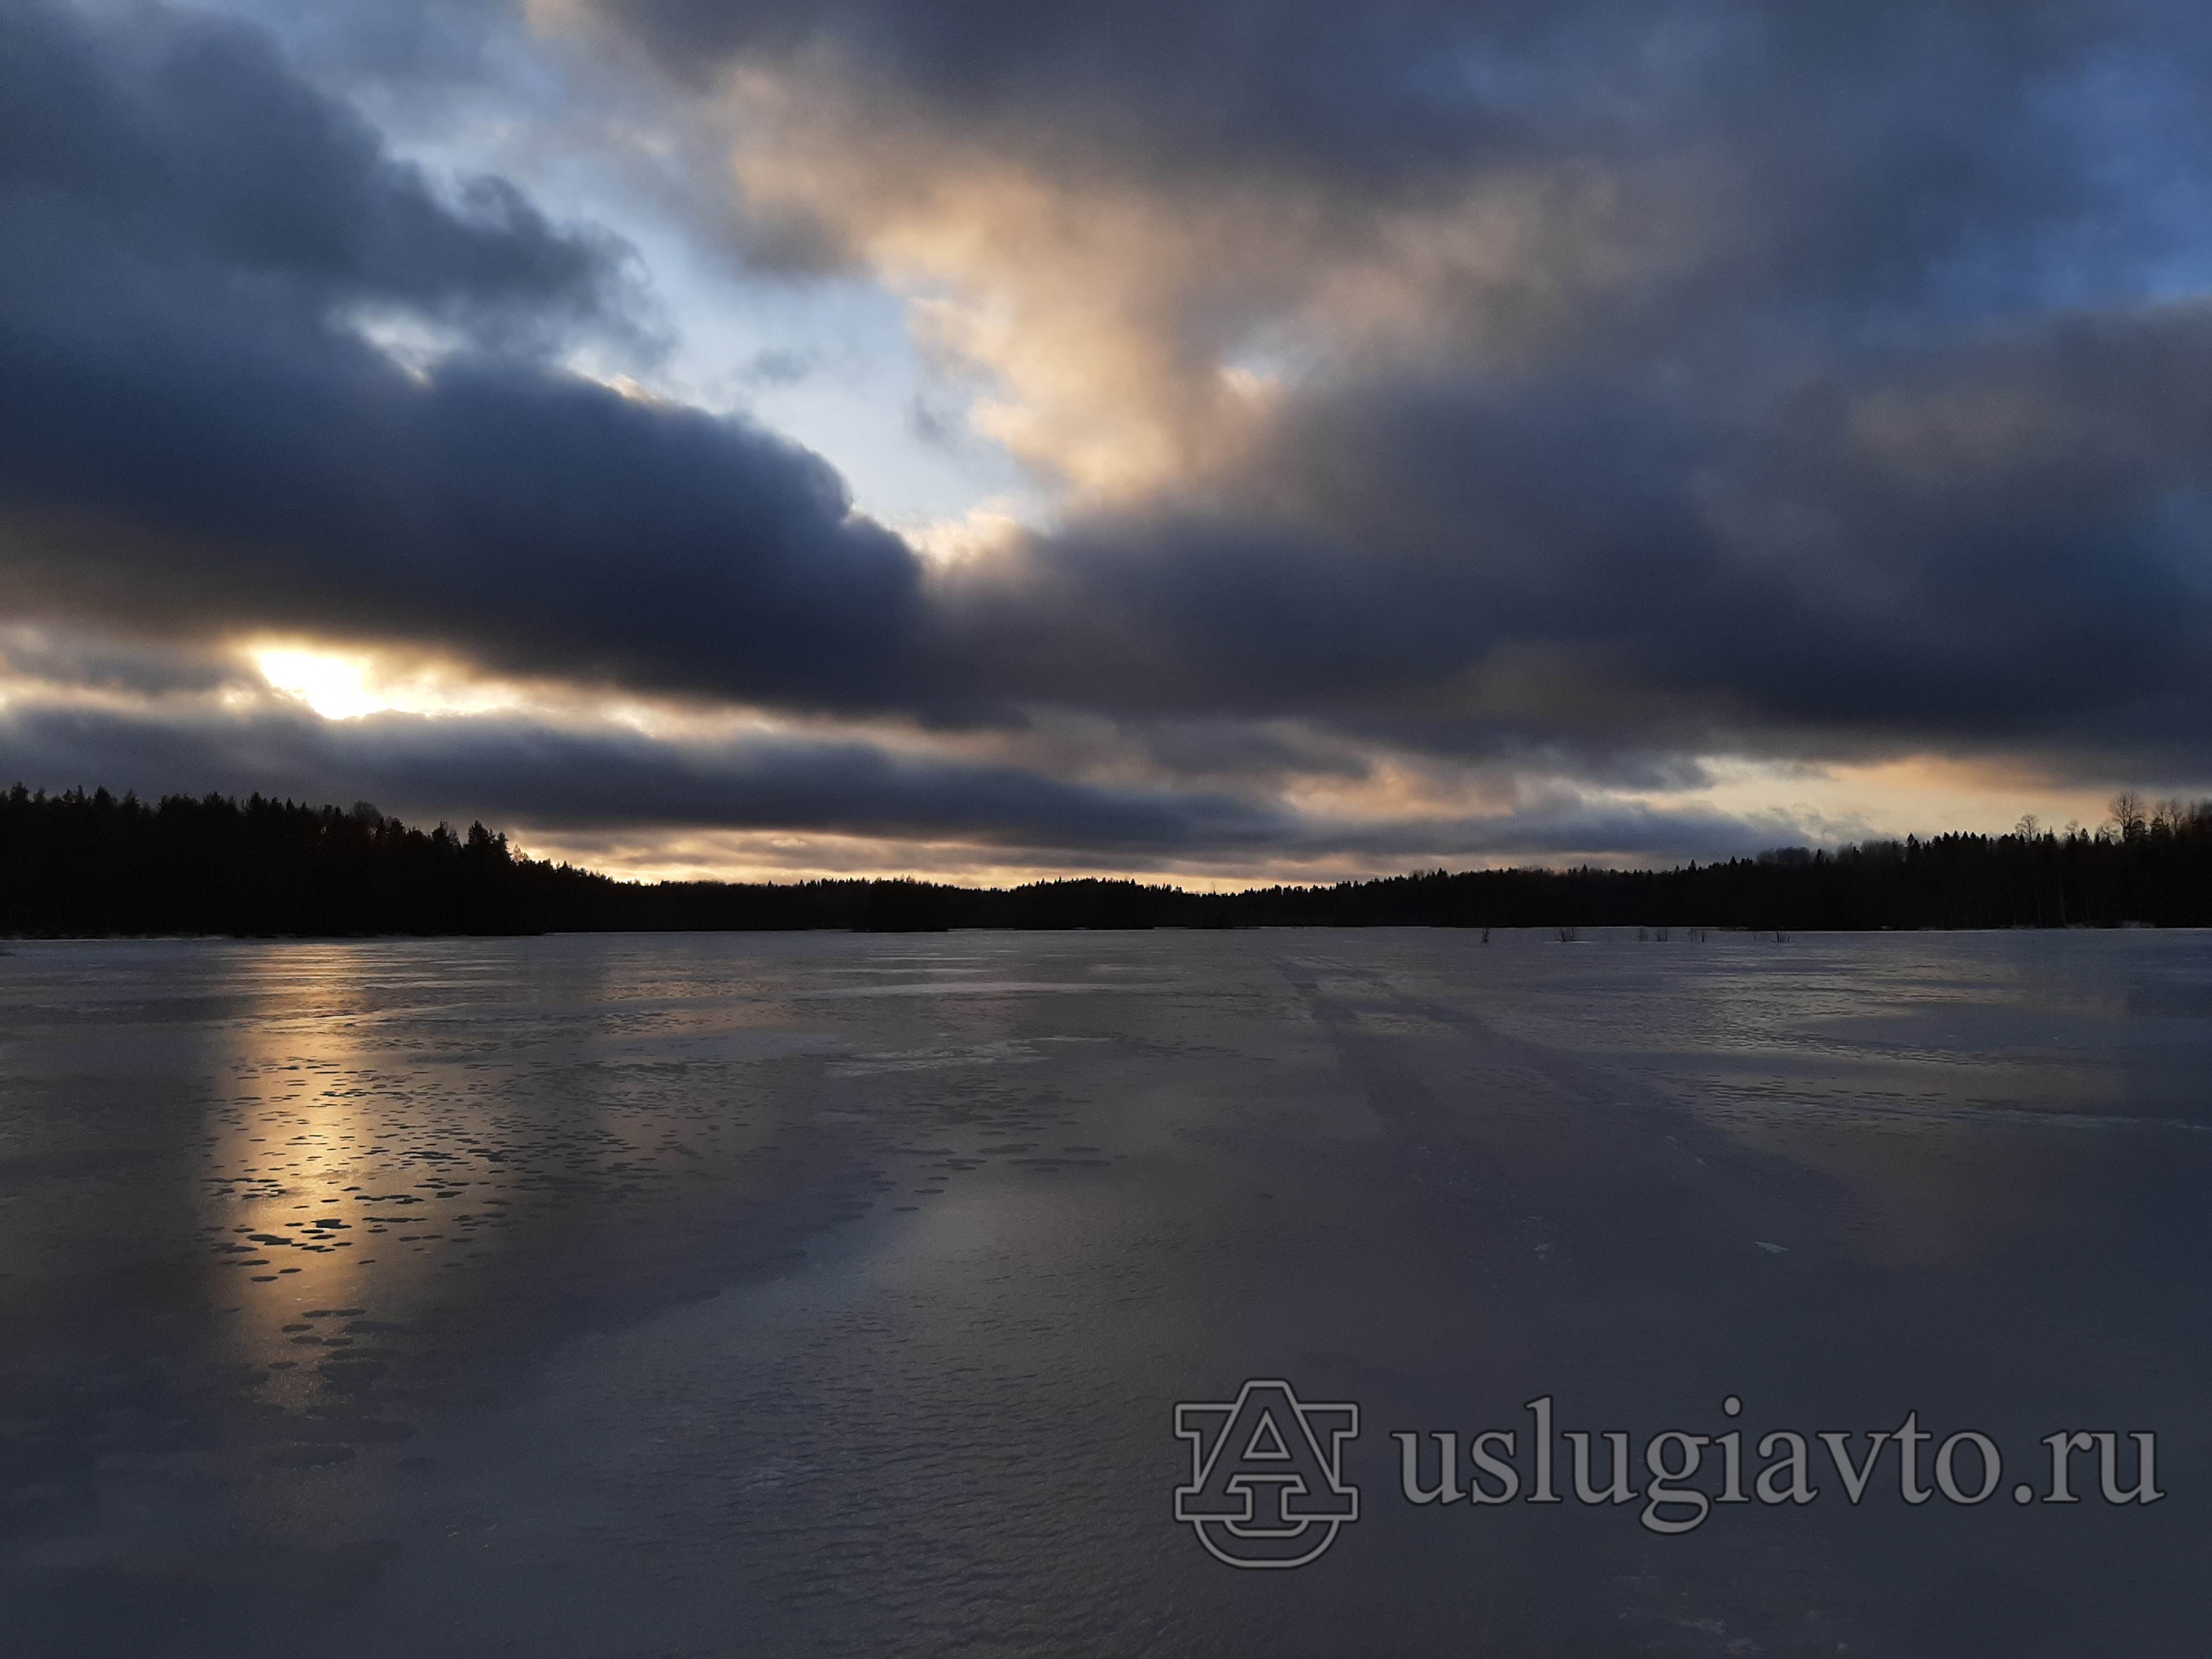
x=778, y=366
x=192, y=439
x=132, y=670
x=1889, y=446
x=152, y=151
x=2001, y=542
x=537, y=776
x=1819, y=401
x=1897, y=148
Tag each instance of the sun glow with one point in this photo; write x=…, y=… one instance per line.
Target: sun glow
x=335, y=687
x=1919, y=794
x=343, y=685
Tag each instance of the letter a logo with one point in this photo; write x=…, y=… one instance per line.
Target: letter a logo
x=1266, y=1476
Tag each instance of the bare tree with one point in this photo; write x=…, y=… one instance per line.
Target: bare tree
x=2129, y=815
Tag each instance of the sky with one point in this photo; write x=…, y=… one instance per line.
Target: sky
x=1201, y=439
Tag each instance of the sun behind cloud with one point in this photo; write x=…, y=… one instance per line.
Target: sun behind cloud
x=341, y=685
x=336, y=687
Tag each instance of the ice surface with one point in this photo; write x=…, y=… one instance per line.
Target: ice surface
x=825, y=1293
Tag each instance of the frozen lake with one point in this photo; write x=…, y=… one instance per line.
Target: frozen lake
x=725, y=1294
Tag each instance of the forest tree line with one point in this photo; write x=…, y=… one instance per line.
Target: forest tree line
x=74, y=865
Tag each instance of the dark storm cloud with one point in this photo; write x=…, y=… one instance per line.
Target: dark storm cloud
x=1245, y=78
x=1896, y=448
x=192, y=439
x=151, y=149
x=1887, y=445
x=552, y=777
x=516, y=770
x=2005, y=542
x=529, y=521
x=1899, y=147
x=518, y=773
